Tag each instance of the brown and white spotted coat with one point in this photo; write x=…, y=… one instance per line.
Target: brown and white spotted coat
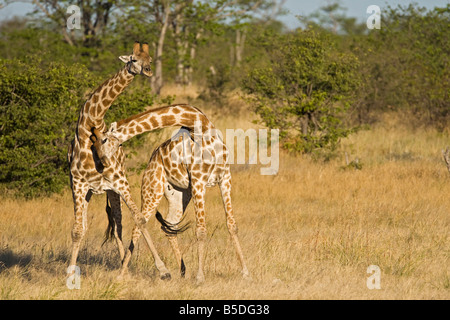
x=180, y=175
x=92, y=173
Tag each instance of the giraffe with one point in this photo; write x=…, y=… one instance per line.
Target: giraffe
x=91, y=173
x=179, y=176
x=87, y=173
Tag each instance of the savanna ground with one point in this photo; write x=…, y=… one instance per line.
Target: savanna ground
x=309, y=232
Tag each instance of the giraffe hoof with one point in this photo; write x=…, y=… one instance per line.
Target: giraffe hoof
x=123, y=276
x=247, y=277
x=166, y=276
x=200, y=279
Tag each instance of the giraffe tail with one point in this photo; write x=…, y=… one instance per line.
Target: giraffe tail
x=171, y=228
x=109, y=233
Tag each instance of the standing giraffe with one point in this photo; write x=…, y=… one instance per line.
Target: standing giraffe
x=94, y=174
x=87, y=172
x=179, y=175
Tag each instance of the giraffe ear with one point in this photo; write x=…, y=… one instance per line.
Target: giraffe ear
x=112, y=127
x=93, y=138
x=96, y=135
x=125, y=59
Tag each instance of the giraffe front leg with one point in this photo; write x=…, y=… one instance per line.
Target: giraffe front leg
x=81, y=200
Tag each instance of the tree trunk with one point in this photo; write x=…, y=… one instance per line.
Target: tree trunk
x=240, y=42
x=181, y=43
x=157, y=79
x=193, y=52
x=304, y=125
x=94, y=18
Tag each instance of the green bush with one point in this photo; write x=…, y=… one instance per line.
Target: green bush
x=407, y=64
x=217, y=80
x=304, y=91
x=39, y=107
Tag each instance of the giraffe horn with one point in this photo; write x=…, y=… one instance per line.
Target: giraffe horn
x=136, y=48
x=145, y=47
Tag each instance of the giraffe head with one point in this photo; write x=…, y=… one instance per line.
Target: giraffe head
x=105, y=144
x=139, y=62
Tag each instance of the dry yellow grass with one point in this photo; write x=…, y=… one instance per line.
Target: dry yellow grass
x=309, y=232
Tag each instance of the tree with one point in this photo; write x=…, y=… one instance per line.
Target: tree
x=407, y=64
x=332, y=17
x=94, y=16
x=304, y=91
x=266, y=12
x=188, y=21
x=154, y=16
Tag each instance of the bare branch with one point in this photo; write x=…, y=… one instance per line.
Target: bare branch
x=61, y=21
x=5, y=3
x=277, y=9
x=237, y=13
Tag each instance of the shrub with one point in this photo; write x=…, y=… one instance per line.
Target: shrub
x=304, y=91
x=407, y=64
x=39, y=107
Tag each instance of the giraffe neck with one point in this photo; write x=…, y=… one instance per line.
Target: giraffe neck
x=169, y=116
x=101, y=99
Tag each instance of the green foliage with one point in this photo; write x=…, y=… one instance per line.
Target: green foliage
x=406, y=64
x=20, y=38
x=308, y=83
x=39, y=104
x=133, y=100
x=304, y=91
x=217, y=81
x=331, y=17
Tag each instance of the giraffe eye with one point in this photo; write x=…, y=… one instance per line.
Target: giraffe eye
x=104, y=140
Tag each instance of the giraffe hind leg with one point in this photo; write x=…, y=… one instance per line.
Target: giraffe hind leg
x=198, y=190
x=140, y=219
x=178, y=200
x=172, y=230
x=225, y=189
